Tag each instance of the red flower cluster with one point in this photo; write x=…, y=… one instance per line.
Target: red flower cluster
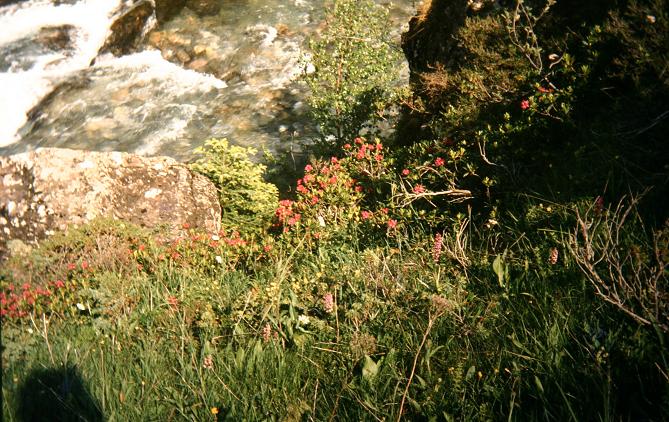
x=366, y=150
x=286, y=215
x=18, y=303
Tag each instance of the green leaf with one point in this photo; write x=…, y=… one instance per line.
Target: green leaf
x=470, y=372
x=537, y=382
x=370, y=368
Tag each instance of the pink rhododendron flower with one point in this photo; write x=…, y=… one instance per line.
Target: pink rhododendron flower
x=405, y=172
x=525, y=104
x=418, y=189
x=392, y=223
x=439, y=162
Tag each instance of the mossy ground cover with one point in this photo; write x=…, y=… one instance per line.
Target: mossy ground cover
x=511, y=265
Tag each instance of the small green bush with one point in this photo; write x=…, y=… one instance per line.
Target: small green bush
x=247, y=200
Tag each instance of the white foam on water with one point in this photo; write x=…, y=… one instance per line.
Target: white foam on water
x=22, y=90
x=149, y=66
x=172, y=130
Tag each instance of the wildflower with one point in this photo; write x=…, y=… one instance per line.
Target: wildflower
x=378, y=157
x=347, y=146
x=418, y=189
x=214, y=410
x=308, y=168
x=599, y=205
x=361, y=153
x=379, y=147
x=332, y=180
x=392, y=223
x=328, y=303
x=553, y=256
x=439, y=162
x=71, y=266
x=294, y=219
x=208, y=363
x=334, y=160
x=215, y=237
x=358, y=141
x=219, y=259
x=303, y=320
x=84, y=265
x=405, y=172
x=440, y=304
x=325, y=170
x=173, y=302
x=186, y=226
x=266, y=332
x=525, y=104
x=365, y=214
x=314, y=200
x=436, y=248
x=58, y=284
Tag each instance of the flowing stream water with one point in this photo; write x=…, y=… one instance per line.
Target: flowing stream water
x=235, y=74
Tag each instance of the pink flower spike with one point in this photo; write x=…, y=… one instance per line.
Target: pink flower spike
x=328, y=303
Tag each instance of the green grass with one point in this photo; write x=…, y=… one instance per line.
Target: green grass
x=180, y=336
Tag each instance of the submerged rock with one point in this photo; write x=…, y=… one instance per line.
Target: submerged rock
x=204, y=7
x=56, y=37
x=50, y=189
x=167, y=9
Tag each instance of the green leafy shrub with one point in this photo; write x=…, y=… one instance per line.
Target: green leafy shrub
x=247, y=201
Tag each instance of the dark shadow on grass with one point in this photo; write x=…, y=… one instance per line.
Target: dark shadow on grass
x=57, y=394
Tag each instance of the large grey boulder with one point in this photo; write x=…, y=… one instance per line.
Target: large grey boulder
x=50, y=189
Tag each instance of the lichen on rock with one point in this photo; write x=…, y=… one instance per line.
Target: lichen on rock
x=50, y=189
